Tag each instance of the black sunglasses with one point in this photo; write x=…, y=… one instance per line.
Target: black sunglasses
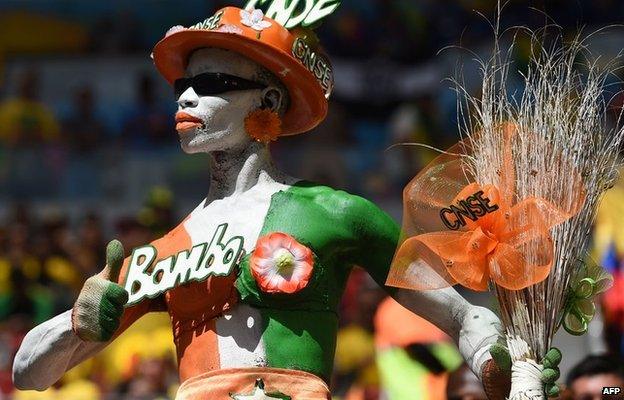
x=209, y=84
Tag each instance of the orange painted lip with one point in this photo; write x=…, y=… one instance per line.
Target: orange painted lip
x=186, y=122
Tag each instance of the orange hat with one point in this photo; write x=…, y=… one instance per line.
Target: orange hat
x=304, y=70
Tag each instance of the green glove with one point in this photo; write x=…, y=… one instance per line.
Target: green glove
x=97, y=312
x=551, y=361
x=551, y=373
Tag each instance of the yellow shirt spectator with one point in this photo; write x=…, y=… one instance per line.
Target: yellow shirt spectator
x=25, y=121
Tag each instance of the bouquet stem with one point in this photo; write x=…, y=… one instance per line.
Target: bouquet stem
x=526, y=373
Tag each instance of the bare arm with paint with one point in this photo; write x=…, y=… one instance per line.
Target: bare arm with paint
x=473, y=328
x=48, y=351
x=57, y=345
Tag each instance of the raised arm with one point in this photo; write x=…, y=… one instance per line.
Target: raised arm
x=49, y=350
x=473, y=328
x=476, y=330
x=59, y=344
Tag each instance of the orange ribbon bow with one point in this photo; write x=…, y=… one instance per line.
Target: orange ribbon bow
x=459, y=231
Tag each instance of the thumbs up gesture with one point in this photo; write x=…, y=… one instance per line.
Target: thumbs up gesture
x=100, y=304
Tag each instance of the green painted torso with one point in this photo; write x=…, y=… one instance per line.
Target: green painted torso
x=342, y=230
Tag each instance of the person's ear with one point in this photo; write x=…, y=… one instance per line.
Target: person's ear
x=272, y=99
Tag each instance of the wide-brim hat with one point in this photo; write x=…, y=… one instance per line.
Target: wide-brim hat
x=304, y=70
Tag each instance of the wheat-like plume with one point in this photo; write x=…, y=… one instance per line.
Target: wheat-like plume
x=565, y=109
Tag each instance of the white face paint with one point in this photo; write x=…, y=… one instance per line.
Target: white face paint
x=222, y=116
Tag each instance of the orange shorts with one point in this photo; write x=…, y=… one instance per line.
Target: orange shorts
x=254, y=383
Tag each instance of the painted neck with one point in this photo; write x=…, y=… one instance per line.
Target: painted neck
x=235, y=172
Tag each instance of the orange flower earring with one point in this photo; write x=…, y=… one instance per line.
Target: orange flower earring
x=263, y=125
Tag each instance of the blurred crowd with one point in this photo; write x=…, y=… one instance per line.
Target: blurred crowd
x=79, y=171
x=359, y=29
x=44, y=261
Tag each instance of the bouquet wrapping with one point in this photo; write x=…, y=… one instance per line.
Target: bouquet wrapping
x=510, y=207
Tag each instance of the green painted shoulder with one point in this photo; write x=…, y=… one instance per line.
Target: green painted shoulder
x=353, y=208
x=374, y=233
x=314, y=191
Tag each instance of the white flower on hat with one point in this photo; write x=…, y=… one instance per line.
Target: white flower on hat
x=174, y=29
x=254, y=19
x=227, y=28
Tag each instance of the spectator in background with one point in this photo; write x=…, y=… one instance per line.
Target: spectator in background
x=149, y=381
x=117, y=33
x=58, y=268
x=24, y=120
x=26, y=125
x=19, y=270
x=157, y=213
x=149, y=123
x=403, y=162
x=320, y=155
x=83, y=132
x=22, y=277
x=413, y=355
x=608, y=242
x=355, y=373
x=587, y=379
x=463, y=384
x=82, y=129
x=87, y=253
x=132, y=233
